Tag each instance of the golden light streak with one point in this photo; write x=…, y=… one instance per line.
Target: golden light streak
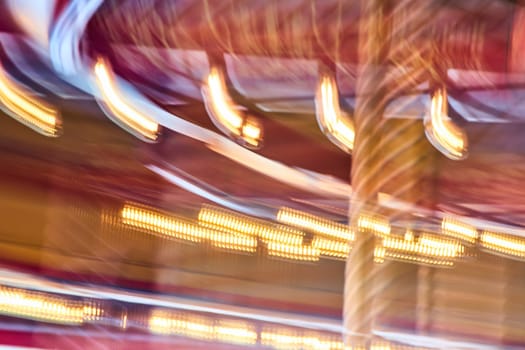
x=427, y=247
x=293, y=252
x=227, y=220
x=30, y=111
x=140, y=125
x=375, y=224
x=457, y=229
x=46, y=307
x=504, y=244
x=333, y=122
x=202, y=327
x=224, y=114
x=331, y=248
x=417, y=259
x=441, y=131
x=315, y=224
x=289, y=339
x=175, y=228
x=379, y=254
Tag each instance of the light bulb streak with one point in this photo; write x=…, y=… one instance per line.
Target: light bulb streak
x=338, y=127
x=293, y=252
x=222, y=219
x=316, y=224
x=33, y=112
x=332, y=248
x=46, y=307
x=171, y=302
x=118, y=109
x=503, y=244
x=223, y=113
x=382, y=254
x=374, y=224
x=202, y=327
x=457, y=229
x=167, y=306
x=448, y=138
x=64, y=53
x=426, y=247
x=174, y=228
x=294, y=339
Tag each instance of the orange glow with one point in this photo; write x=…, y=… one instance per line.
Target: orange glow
x=28, y=110
x=315, y=224
x=223, y=111
x=131, y=118
x=441, y=131
x=46, y=307
x=202, y=327
x=338, y=127
x=174, y=228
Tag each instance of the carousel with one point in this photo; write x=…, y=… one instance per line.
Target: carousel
x=232, y=174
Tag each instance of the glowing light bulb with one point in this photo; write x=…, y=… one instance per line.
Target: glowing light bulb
x=316, y=224
x=293, y=252
x=447, y=137
x=332, y=248
x=222, y=219
x=224, y=114
x=118, y=110
x=28, y=110
x=335, y=124
x=375, y=224
x=508, y=245
x=460, y=230
x=202, y=327
x=172, y=227
x=46, y=307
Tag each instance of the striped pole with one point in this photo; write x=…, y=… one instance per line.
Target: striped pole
x=389, y=155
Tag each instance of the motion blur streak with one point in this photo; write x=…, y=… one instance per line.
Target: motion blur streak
x=333, y=122
x=66, y=33
x=448, y=138
x=332, y=248
x=34, y=113
x=204, y=190
x=64, y=53
x=34, y=17
x=46, y=307
x=119, y=111
x=316, y=224
x=375, y=224
x=293, y=252
x=202, y=327
x=457, y=229
x=222, y=111
x=23, y=280
x=222, y=219
x=425, y=246
x=294, y=339
x=174, y=228
x=426, y=250
x=508, y=245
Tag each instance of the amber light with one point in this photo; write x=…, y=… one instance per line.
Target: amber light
x=122, y=112
x=29, y=110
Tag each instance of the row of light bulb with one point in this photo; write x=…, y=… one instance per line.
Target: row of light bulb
x=236, y=232
x=333, y=121
x=69, y=310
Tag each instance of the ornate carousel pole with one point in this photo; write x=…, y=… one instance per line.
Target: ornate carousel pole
x=390, y=155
